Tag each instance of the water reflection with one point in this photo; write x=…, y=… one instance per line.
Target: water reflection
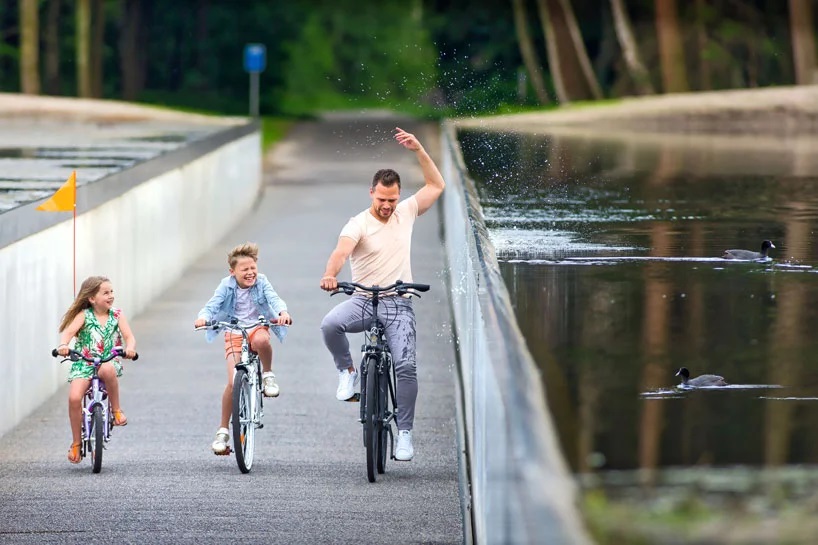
x=611, y=253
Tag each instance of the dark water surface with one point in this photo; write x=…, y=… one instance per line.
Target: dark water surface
x=610, y=250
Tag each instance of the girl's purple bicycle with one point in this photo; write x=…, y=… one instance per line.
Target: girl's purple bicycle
x=96, y=410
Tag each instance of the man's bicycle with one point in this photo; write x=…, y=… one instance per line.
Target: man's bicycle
x=96, y=408
x=378, y=382
x=248, y=401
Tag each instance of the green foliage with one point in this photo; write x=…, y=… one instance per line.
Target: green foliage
x=273, y=129
x=344, y=55
x=429, y=57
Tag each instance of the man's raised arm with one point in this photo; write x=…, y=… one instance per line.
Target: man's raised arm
x=434, y=184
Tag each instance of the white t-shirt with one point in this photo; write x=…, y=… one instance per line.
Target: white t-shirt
x=246, y=309
x=381, y=255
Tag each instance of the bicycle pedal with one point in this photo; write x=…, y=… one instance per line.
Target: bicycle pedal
x=259, y=426
x=225, y=452
x=354, y=399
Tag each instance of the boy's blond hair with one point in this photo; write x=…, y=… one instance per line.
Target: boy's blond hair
x=248, y=249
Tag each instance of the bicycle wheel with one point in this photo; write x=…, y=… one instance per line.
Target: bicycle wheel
x=383, y=429
x=244, y=428
x=372, y=425
x=97, y=438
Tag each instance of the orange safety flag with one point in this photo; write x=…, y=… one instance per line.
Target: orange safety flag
x=64, y=199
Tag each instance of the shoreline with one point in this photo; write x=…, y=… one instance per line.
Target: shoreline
x=790, y=111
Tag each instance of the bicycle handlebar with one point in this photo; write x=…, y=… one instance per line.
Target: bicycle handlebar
x=402, y=288
x=73, y=355
x=235, y=326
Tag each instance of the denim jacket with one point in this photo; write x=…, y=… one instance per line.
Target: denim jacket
x=222, y=305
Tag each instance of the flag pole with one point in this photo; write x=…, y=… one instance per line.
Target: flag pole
x=74, y=241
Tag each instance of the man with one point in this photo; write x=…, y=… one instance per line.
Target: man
x=377, y=241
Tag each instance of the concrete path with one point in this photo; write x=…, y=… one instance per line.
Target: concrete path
x=161, y=484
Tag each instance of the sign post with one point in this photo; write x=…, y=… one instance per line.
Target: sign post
x=255, y=60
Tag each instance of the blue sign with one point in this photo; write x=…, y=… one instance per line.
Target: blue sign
x=255, y=57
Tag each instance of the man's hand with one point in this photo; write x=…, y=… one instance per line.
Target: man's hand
x=200, y=322
x=329, y=283
x=407, y=140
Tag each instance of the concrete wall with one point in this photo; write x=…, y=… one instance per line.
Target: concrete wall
x=521, y=489
x=141, y=228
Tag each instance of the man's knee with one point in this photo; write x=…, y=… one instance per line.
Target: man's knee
x=330, y=326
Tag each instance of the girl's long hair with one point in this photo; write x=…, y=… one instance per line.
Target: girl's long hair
x=89, y=288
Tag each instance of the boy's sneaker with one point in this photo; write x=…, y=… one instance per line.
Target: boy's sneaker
x=404, y=451
x=268, y=382
x=346, y=385
x=221, y=445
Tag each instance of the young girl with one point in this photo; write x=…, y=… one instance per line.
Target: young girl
x=98, y=328
x=244, y=295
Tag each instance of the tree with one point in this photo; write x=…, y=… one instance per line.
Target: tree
x=98, y=46
x=83, y=53
x=567, y=58
x=527, y=51
x=671, y=52
x=29, y=47
x=630, y=51
x=51, y=44
x=131, y=53
x=802, y=30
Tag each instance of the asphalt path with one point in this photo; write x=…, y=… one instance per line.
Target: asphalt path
x=160, y=483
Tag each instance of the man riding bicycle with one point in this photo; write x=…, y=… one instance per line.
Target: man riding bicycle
x=377, y=242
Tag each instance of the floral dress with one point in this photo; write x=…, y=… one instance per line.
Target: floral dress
x=94, y=339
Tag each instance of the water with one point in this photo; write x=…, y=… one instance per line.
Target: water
x=610, y=249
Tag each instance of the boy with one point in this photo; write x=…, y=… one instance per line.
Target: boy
x=244, y=295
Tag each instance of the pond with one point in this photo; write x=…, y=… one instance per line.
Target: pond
x=611, y=249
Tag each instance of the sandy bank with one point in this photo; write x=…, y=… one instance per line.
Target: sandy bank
x=68, y=109
x=781, y=111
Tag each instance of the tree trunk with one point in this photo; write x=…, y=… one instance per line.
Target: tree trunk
x=131, y=59
x=29, y=47
x=705, y=80
x=202, y=41
x=567, y=58
x=802, y=31
x=671, y=52
x=83, y=48
x=98, y=41
x=630, y=51
x=51, y=43
x=580, y=52
x=527, y=51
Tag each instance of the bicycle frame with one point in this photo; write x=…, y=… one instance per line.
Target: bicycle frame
x=96, y=395
x=248, y=404
x=377, y=414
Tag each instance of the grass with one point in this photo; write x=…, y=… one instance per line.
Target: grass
x=690, y=520
x=274, y=129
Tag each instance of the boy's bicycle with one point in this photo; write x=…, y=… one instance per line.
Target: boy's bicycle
x=96, y=409
x=378, y=401
x=248, y=404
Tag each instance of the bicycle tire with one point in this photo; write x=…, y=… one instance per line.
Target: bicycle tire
x=371, y=429
x=244, y=428
x=97, y=438
x=382, y=429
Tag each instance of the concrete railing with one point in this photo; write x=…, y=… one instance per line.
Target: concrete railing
x=140, y=227
x=520, y=488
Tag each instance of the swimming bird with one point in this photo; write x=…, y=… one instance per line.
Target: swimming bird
x=748, y=255
x=701, y=380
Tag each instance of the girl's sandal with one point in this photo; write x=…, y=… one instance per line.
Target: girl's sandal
x=119, y=418
x=74, y=455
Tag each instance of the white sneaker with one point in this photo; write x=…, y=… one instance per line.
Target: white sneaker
x=268, y=381
x=346, y=385
x=222, y=443
x=404, y=451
